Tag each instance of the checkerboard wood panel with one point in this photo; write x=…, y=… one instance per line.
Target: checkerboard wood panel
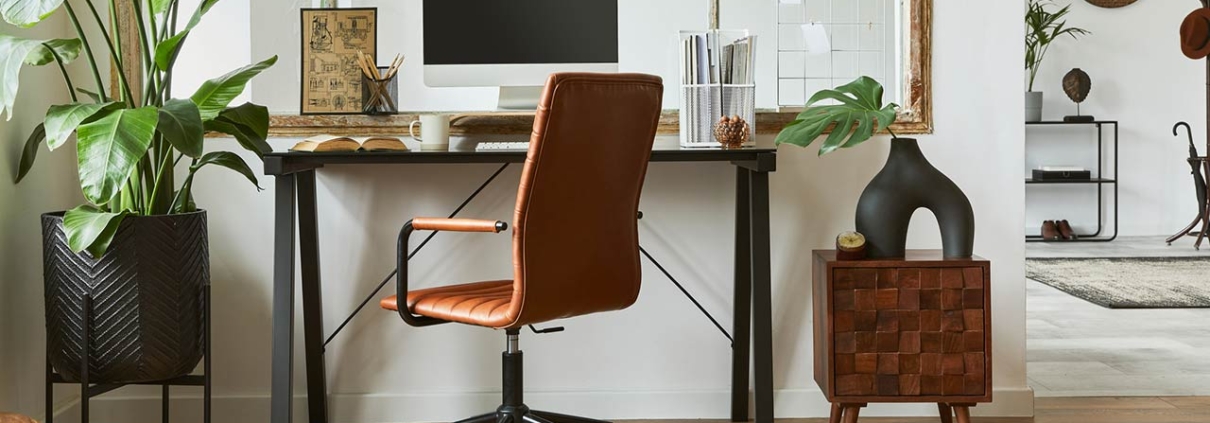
x=903, y=330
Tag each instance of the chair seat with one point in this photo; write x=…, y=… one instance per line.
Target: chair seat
x=479, y=303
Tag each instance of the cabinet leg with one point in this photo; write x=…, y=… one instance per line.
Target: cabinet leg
x=964, y=413
x=947, y=413
x=837, y=412
x=851, y=412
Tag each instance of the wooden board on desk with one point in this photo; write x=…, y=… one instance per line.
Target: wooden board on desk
x=483, y=123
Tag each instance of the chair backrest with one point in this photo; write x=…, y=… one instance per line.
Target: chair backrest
x=575, y=230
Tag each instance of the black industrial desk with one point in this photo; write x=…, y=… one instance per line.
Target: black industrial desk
x=295, y=197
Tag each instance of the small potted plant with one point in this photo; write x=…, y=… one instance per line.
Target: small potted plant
x=137, y=249
x=1042, y=27
x=907, y=182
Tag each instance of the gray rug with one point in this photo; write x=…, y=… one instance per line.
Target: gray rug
x=1154, y=282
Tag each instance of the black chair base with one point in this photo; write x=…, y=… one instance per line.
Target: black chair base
x=513, y=408
x=527, y=416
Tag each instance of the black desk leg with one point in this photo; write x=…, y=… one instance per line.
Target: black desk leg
x=312, y=299
x=742, y=315
x=283, y=300
x=762, y=302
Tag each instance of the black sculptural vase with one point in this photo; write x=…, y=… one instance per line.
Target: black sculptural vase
x=906, y=183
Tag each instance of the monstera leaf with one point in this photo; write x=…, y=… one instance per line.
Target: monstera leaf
x=857, y=116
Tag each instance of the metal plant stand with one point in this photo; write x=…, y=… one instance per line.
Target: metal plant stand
x=89, y=390
x=1100, y=182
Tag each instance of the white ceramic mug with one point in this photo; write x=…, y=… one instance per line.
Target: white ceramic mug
x=434, y=131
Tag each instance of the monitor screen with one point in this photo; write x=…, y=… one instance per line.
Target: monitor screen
x=500, y=32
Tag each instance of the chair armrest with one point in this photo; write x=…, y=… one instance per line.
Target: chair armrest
x=458, y=225
x=401, y=257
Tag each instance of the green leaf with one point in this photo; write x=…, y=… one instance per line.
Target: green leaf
x=246, y=136
x=110, y=147
x=181, y=125
x=62, y=120
x=27, y=13
x=92, y=95
x=30, y=152
x=159, y=6
x=166, y=50
x=253, y=116
x=228, y=160
x=90, y=229
x=859, y=114
x=67, y=50
x=13, y=52
x=183, y=202
x=214, y=95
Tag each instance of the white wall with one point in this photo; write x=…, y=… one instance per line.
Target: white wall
x=216, y=46
x=1140, y=78
x=658, y=359
x=51, y=185
x=647, y=44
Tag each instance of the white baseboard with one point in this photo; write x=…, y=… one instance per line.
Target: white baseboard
x=441, y=407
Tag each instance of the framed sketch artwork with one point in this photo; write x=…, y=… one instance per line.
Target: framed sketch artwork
x=331, y=76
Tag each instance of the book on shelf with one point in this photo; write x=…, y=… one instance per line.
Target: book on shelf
x=332, y=143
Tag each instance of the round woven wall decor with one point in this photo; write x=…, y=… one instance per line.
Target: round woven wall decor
x=1112, y=4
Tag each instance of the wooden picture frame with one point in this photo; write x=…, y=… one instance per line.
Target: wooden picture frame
x=916, y=115
x=330, y=78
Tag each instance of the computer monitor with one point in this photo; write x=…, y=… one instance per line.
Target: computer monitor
x=516, y=44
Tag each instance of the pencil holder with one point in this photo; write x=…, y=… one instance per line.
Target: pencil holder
x=380, y=97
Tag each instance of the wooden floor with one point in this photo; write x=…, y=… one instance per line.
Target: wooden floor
x=1066, y=410
x=1079, y=349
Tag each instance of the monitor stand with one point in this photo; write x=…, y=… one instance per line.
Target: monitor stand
x=519, y=98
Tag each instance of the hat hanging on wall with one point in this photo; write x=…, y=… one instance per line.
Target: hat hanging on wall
x=1195, y=34
x=1111, y=4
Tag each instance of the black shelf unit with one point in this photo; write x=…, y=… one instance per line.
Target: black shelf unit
x=1100, y=182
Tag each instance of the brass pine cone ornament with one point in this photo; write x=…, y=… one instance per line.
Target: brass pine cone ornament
x=1077, y=85
x=732, y=131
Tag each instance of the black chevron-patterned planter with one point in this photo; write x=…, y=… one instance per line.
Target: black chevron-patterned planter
x=146, y=294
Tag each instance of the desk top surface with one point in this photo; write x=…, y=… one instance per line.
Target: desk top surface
x=760, y=158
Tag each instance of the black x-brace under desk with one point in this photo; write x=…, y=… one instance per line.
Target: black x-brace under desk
x=295, y=197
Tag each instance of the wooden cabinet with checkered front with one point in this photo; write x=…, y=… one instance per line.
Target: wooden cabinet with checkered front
x=903, y=330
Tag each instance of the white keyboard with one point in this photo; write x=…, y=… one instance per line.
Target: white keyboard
x=503, y=146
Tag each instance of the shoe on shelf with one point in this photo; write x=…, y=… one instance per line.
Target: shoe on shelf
x=1050, y=231
x=1066, y=231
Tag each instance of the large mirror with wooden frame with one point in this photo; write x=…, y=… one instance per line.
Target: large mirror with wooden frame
x=889, y=40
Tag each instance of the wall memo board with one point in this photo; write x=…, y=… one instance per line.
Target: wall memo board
x=331, y=77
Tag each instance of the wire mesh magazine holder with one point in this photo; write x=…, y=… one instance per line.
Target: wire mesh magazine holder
x=89, y=389
x=718, y=88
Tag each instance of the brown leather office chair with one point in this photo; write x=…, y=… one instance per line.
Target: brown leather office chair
x=575, y=228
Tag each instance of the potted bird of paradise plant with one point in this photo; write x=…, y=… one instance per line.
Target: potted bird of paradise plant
x=137, y=249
